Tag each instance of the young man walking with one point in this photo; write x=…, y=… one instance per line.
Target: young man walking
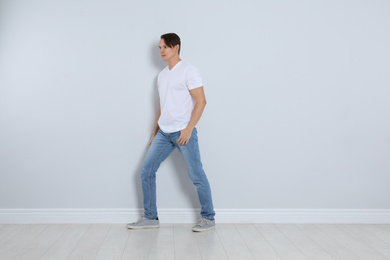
x=182, y=101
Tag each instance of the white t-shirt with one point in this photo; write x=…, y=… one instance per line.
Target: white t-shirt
x=176, y=101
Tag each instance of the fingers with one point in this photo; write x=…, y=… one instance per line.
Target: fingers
x=182, y=141
x=184, y=137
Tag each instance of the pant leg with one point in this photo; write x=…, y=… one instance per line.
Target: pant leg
x=191, y=156
x=158, y=151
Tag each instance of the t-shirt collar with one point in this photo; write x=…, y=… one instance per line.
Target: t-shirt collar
x=177, y=64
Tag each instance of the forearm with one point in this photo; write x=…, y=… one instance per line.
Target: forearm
x=196, y=114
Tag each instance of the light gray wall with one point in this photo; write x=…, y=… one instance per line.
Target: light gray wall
x=298, y=102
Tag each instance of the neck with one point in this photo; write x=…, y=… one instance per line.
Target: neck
x=172, y=62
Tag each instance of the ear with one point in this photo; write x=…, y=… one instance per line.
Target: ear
x=177, y=48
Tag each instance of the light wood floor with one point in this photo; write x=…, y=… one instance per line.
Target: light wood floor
x=177, y=241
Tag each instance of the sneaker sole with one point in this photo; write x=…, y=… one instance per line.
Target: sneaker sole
x=202, y=229
x=141, y=227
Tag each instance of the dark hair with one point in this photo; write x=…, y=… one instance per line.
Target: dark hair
x=171, y=40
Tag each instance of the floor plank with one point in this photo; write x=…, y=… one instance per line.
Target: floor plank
x=377, y=231
x=210, y=245
x=65, y=244
x=367, y=239
x=328, y=243
x=114, y=243
x=232, y=242
x=16, y=243
x=385, y=227
x=90, y=243
x=257, y=244
x=350, y=242
x=279, y=242
x=185, y=242
x=161, y=243
x=305, y=244
x=138, y=244
x=42, y=242
x=8, y=231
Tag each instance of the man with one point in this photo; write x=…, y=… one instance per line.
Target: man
x=182, y=101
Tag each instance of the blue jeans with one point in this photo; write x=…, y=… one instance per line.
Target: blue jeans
x=162, y=146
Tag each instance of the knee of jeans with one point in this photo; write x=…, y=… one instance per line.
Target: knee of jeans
x=200, y=181
x=146, y=170
x=196, y=180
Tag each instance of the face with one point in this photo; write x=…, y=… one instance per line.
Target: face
x=167, y=52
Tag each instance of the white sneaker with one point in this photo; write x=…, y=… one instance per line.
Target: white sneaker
x=204, y=225
x=144, y=223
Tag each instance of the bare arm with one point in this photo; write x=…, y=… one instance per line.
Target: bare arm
x=156, y=127
x=199, y=96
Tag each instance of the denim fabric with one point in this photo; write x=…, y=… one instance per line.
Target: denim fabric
x=162, y=146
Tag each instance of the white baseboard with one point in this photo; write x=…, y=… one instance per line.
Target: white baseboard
x=372, y=216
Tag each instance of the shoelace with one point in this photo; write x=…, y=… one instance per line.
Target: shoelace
x=202, y=221
x=141, y=219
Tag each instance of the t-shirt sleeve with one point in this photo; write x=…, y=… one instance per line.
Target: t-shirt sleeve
x=193, y=78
